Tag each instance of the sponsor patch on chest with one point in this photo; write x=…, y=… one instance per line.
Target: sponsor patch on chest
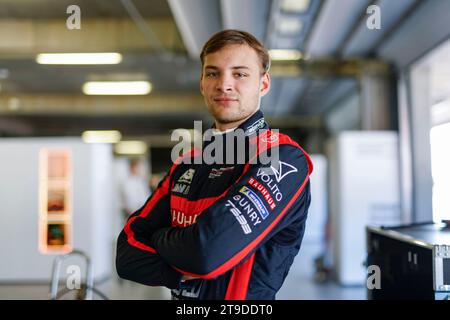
x=180, y=219
x=217, y=173
x=181, y=188
x=187, y=176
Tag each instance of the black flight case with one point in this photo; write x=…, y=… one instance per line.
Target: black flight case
x=413, y=261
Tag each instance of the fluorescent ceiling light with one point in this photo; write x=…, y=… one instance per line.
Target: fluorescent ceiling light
x=289, y=25
x=101, y=136
x=131, y=148
x=295, y=6
x=285, y=54
x=117, y=87
x=79, y=58
x=14, y=104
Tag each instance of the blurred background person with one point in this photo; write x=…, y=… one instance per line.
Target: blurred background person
x=134, y=189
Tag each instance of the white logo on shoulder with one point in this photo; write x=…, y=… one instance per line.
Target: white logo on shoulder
x=283, y=170
x=270, y=139
x=187, y=176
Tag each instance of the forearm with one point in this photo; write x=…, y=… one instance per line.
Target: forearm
x=144, y=267
x=230, y=230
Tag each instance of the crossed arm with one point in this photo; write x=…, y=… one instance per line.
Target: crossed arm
x=151, y=252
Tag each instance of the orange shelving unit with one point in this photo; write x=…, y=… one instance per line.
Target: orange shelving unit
x=55, y=200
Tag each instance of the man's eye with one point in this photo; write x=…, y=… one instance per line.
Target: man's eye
x=211, y=74
x=240, y=75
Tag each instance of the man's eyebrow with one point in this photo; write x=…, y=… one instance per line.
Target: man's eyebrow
x=234, y=68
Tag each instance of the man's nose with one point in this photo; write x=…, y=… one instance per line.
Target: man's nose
x=224, y=83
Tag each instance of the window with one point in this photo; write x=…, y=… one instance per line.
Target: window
x=430, y=100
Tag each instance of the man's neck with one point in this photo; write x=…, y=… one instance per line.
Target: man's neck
x=216, y=131
x=227, y=126
x=222, y=127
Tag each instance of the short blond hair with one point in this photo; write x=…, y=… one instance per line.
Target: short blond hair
x=229, y=37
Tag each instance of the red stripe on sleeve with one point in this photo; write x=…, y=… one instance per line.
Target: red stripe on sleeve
x=159, y=193
x=238, y=284
x=245, y=251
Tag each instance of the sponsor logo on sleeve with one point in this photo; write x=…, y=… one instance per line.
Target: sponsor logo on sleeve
x=239, y=217
x=270, y=138
x=189, y=293
x=283, y=170
x=257, y=202
x=264, y=192
x=247, y=208
x=267, y=180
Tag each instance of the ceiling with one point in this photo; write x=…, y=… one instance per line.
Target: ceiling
x=56, y=9
x=160, y=41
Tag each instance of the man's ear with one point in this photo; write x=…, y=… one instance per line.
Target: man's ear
x=201, y=85
x=265, y=84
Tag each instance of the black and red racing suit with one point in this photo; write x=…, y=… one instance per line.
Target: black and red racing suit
x=234, y=227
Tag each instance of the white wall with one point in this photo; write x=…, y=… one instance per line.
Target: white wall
x=364, y=190
x=93, y=206
x=317, y=213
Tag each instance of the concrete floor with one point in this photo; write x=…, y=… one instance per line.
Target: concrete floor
x=300, y=284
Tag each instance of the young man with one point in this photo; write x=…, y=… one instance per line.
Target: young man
x=224, y=231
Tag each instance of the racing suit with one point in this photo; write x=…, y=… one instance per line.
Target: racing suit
x=235, y=227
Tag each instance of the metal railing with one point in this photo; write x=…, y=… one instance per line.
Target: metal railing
x=85, y=292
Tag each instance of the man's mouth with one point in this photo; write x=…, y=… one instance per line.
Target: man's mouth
x=225, y=99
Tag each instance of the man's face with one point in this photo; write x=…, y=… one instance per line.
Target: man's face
x=232, y=84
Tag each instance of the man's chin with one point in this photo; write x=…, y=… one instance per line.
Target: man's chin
x=223, y=118
x=226, y=120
